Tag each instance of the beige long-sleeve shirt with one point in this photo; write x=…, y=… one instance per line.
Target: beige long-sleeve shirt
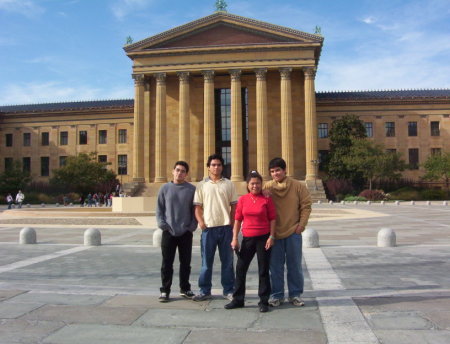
x=293, y=203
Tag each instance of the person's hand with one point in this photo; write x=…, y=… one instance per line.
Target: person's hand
x=235, y=244
x=299, y=229
x=202, y=226
x=266, y=193
x=269, y=243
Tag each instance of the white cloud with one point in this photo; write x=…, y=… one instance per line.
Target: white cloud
x=123, y=8
x=50, y=92
x=25, y=7
x=369, y=20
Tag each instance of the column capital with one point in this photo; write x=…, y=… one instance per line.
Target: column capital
x=160, y=78
x=261, y=73
x=208, y=75
x=139, y=79
x=183, y=76
x=235, y=74
x=285, y=73
x=310, y=72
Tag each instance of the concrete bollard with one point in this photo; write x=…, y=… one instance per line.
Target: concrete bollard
x=343, y=202
x=157, y=237
x=92, y=237
x=445, y=203
x=319, y=202
x=310, y=238
x=368, y=202
x=428, y=203
x=412, y=202
x=330, y=202
x=355, y=202
x=397, y=202
x=27, y=236
x=382, y=202
x=43, y=205
x=57, y=204
x=386, y=238
x=28, y=205
x=70, y=204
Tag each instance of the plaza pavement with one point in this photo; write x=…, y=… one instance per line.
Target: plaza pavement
x=59, y=291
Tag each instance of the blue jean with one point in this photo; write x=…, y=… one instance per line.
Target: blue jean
x=212, y=238
x=289, y=251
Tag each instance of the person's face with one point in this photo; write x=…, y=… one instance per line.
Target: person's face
x=277, y=174
x=179, y=174
x=254, y=186
x=215, y=167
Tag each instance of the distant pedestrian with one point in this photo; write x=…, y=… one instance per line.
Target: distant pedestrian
x=9, y=200
x=19, y=198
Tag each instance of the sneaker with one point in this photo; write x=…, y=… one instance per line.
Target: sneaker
x=276, y=302
x=187, y=294
x=297, y=301
x=164, y=297
x=228, y=296
x=202, y=297
x=263, y=308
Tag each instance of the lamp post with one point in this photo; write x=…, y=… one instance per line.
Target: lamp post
x=316, y=163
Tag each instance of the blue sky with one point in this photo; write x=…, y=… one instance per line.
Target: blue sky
x=66, y=50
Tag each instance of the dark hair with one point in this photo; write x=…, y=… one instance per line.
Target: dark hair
x=253, y=174
x=182, y=163
x=214, y=157
x=277, y=162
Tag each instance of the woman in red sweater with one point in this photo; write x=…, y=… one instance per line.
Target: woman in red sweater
x=256, y=213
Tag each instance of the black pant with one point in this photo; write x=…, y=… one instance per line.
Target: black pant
x=250, y=246
x=169, y=246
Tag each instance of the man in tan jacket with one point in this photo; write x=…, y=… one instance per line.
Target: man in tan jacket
x=293, y=203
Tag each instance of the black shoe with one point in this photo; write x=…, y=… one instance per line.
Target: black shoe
x=263, y=308
x=234, y=304
x=164, y=297
x=188, y=294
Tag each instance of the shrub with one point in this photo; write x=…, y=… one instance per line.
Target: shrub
x=335, y=188
x=354, y=198
x=373, y=195
x=406, y=194
x=433, y=194
x=389, y=185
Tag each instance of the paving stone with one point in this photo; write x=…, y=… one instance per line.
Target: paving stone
x=413, y=337
x=87, y=314
x=98, y=334
x=7, y=294
x=227, y=336
x=399, y=321
x=12, y=310
x=152, y=302
x=26, y=331
x=237, y=318
x=439, y=318
x=58, y=299
x=297, y=318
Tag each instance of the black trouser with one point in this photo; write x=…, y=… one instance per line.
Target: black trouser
x=169, y=246
x=250, y=246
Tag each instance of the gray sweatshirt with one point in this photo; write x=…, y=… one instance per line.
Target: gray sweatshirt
x=175, y=208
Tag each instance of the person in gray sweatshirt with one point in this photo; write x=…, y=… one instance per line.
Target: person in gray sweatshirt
x=175, y=216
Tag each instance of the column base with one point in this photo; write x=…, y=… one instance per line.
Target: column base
x=138, y=180
x=311, y=177
x=160, y=180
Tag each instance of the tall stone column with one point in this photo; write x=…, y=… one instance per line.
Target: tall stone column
x=160, y=129
x=138, y=141
x=209, y=133
x=287, y=137
x=236, y=126
x=183, y=121
x=262, y=130
x=310, y=124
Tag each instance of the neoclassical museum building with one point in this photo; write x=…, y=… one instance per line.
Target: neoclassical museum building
x=226, y=84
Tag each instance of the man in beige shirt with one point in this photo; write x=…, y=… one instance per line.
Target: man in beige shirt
x=293, y=203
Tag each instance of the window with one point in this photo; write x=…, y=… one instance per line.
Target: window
x=412, y=128
x=122, y=136
x=62, y=161
x=27, y=139
x=82, y=137
x=390, y=129
x=9, y=140
x=45, y=139
x=323, y=130
x=413, y=158
x=8, y=163
x=435, y=151
x=122, y=164
x=323, y=158
x=102, y=136
x=435, y=131
x=64, y=138
x=26, y=164
x=369, y=129
x=103, y=158
x=45, y=166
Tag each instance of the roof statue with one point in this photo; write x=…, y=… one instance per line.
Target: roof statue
x=129, y=40
x=221, y=6
x=318, y=30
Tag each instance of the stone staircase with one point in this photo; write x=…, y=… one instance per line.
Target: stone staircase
x=316, y=189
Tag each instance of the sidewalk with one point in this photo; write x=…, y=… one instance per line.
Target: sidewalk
x=62, y=292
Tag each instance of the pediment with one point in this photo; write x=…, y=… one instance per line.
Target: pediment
x=222, y=29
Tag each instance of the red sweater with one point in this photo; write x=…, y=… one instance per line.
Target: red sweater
x=256, y=212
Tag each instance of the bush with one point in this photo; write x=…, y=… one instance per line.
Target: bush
x=389, y=185
x=336, y=188
x=433, y=194
x=373, y=195
x=354, y=198
x=406, y=194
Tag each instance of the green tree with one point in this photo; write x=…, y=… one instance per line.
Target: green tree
x=14, y=178
x=83, y=174
x=372, y=161
x=342, y=133
x=437, y=168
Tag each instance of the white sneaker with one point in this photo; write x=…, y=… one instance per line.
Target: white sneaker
x=228, y=296
x=297, y=301
x=276, y=302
